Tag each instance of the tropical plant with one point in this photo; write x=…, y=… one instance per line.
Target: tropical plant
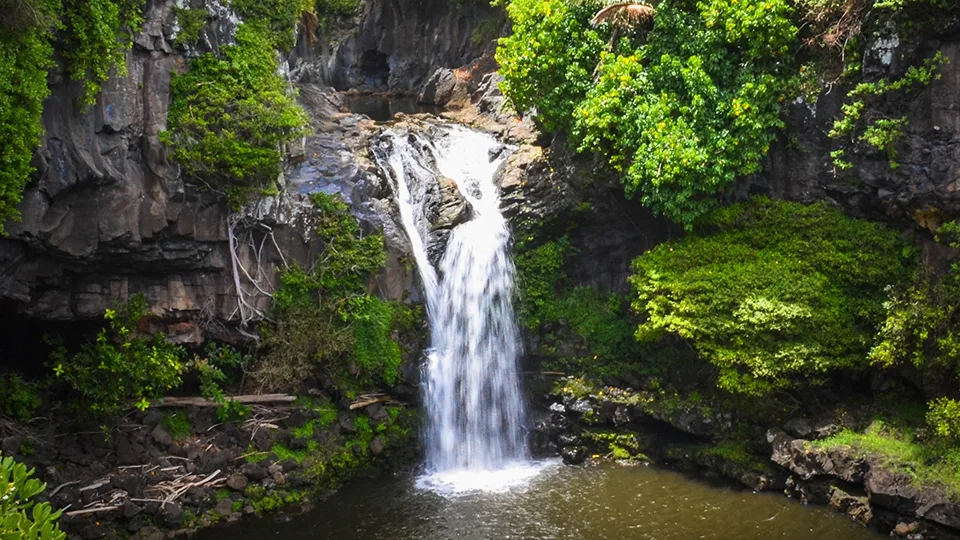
x=122, y=367
x=22, y=518
x=773, y=294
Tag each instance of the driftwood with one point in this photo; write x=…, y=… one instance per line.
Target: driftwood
x=92, y=510
x=204, y=402
x=368, y=399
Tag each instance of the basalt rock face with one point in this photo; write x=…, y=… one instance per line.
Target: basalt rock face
x=397, y=45
x=925, y=186
x=108, y=216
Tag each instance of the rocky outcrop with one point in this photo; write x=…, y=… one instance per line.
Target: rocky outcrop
x=923, y=189
x=185, y=469
x=396, y=45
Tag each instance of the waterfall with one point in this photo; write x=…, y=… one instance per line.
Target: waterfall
x=475, y=411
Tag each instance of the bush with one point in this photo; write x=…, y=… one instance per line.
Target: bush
x=25, y=54
x=99, y=34
x=18, y=399
x=943, y=417
x=682, y=110
x=277, y=18
x=213, y=371
x=20, y=516
x=230, y=116
x=773, y=294
x=326, y=319
x=122, y=366
x=548, y=60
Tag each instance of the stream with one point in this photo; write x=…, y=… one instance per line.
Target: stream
x=598, y=502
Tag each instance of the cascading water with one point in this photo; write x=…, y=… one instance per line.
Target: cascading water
x=474, y=436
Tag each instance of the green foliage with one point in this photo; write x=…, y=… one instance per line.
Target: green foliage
x=944, y=418
x=18, y=399
x=583, y=329
x=230, y=116
x=276, y=18
x=773, y=294
x=861, y=118
x=325, y=316
x=548, y=60
x=920, y=327
x=682, y=110
x=900, y=446
x=210, y=370
x=178, y=426
x=20, y=516
x=25, y=55
x=190, y=22
x=693, y=108
x=99, y=34
x=539, y=273
x=121, y=366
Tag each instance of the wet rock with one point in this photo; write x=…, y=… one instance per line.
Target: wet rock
x=580, y=406
x=377, y=446
x=170, y=514
x=254, y=471
x=224, y=507
x=130, y=510
x=892, y=490
x=161, y=436
x=574, y=455
x=798, y=427
x=856, y=507
x=237, y=482
x=568, y=439
x=289, y=464
x=621, y=415
x=905, y=529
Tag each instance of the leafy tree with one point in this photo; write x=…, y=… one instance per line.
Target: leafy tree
x=122, y=366
x=773, y=294
x=22, y=518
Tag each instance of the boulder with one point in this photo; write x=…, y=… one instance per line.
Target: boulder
x=574, y=455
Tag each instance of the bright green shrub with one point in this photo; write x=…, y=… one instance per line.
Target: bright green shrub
x=277, y=17
x=548, y=60
x=18, y=399
x=230, y=116
x=99, y=34
x=122, y=367
x=693, y=108
x=213, y=370
x=773, y=294
x=943, y=417
x=20, y=516
x=25, y=55
x=325, y=317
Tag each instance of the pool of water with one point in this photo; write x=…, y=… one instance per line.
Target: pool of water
x=597, y=502
x=382, y=108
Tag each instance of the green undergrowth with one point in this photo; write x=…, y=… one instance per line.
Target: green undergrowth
x=326, y=323
x=581, y=329
x=178, y=425
x=327, y=456
x=621, y=446
x=905, y=446
x=774, y=295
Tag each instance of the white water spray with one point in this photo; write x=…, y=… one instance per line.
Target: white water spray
x=474, y=436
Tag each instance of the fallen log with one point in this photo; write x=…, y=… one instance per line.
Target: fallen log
x=204, y=402
x=91, y=511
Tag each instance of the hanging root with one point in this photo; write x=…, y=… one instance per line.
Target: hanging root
x=250, y=284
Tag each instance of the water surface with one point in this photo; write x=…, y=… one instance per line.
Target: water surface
x=606, y=501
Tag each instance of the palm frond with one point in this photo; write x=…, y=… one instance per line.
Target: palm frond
x=624, y=14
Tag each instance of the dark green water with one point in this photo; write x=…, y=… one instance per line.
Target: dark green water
x=606, y=501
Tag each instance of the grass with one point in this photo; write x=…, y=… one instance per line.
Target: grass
x=901, y=445
x=178, y=426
